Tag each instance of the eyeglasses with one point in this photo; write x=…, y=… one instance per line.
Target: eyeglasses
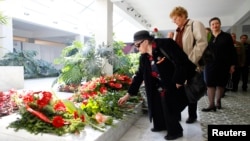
x=138, y=44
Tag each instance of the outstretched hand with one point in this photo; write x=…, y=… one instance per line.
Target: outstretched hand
x=123, y=99
x=178, y=85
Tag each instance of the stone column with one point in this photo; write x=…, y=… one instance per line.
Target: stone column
x=104, y=28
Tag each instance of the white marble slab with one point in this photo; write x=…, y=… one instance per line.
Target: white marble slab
x=11, y=77
x=113, y=133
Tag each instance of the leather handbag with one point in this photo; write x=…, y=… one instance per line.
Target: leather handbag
x=208, y=56
x=195, y=87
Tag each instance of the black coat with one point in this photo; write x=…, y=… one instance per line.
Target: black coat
x=170, y=74
x=225, y=55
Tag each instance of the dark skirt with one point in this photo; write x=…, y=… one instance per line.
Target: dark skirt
x=216, y=74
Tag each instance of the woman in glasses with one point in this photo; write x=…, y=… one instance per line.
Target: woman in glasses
x=163, y=78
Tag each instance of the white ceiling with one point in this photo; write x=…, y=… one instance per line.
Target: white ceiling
x=156, y=13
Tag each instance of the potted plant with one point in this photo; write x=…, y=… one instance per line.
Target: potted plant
x=84, y=62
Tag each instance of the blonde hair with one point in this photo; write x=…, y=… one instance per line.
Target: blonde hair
x=179, y=11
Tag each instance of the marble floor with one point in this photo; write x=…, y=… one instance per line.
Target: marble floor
x=140, y=130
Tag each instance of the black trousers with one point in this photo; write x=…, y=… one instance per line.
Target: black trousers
x=240, y=72
x=192, y=110
x=158, y=112
x=165, y=113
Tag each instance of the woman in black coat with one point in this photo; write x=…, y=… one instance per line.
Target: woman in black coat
x=218, y=69
x=163, y=80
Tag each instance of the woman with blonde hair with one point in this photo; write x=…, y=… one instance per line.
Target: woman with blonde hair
x=191, y=36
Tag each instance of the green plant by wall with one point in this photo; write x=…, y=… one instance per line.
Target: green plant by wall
x=33, y=68
x=84, y=62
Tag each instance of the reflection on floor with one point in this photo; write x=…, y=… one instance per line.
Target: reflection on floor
x=235, y=111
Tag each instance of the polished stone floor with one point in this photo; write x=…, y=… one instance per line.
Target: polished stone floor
x=140, y=131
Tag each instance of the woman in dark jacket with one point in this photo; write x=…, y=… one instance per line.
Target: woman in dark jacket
x=163, y=80
x=217, y=70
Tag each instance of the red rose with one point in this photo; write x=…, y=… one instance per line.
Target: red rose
x=103, y=89
x=75, y=115
x=154, y=74
x=59, y=106
x=118, y=85
x=58, y=121
x=82, y=118
x=155, y=29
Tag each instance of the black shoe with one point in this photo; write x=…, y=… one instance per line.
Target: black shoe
x=245, y=90
x=218, y=106
x=190, y=120
x=157, y=130
x=173, y=137
x=209, y=109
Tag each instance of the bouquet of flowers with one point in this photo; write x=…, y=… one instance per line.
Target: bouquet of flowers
x=95, y=105
x=102, y=85
x=43, y=112
x=7, y=105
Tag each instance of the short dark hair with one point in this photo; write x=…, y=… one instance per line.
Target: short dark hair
x=214, y=18
x=244, y=35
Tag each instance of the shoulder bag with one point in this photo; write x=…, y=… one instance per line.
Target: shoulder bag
x=195, y=87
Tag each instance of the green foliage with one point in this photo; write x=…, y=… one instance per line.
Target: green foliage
x=107, y=104
x=133, y=62
x=33, y=68
x=125, y=64
x=84, y=62
x=3, y=19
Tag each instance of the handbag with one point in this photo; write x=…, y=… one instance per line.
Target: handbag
x=229, y=85
x=195, y=87
x=208, y=56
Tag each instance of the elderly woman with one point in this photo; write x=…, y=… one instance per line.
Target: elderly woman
x=163, y=79
x=192, y=38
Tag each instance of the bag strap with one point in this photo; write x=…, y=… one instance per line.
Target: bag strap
x=166, y=55
x=192, y=29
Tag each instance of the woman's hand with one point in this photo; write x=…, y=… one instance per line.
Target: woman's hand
x=232, y=69
x=178, y=85
x=123, y=99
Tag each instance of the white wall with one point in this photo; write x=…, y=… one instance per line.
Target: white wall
x=47, y=53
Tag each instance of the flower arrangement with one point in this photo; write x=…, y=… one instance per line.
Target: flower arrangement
x=102, y=85
x=43, y=112
x=7, y=105
x=94, y=105
x=68, y=88
x=100, y=95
